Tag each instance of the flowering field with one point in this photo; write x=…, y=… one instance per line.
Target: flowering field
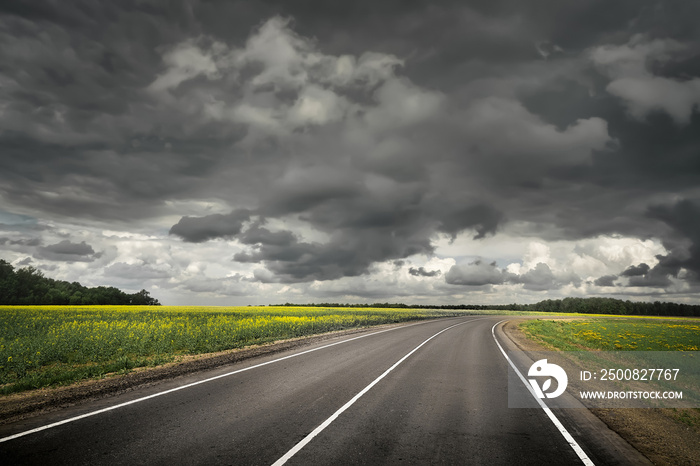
x=617, y=334
x=48, y=345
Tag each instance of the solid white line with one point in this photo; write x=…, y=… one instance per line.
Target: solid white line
x=295, y=449
x=567, y=436
x=138, y=400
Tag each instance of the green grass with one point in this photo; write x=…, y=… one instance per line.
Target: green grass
x=616, y=334
x=631, y=343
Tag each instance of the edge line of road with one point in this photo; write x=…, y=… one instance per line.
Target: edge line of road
x=182, y=387
x=552, y=417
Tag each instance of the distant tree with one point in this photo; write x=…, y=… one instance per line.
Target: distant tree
x=8, y=283
x=143, y=298
x=28, y=285
x=76, y=299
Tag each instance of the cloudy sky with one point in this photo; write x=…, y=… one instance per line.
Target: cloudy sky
x=255, y=152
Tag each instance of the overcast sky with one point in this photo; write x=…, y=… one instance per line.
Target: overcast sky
x=241, y=152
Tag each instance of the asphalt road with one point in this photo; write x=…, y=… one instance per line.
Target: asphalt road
x=446, y=402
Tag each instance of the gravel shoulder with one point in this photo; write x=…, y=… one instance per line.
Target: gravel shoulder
x=656, y=433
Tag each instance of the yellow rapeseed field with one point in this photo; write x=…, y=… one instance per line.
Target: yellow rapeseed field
x=46, y=345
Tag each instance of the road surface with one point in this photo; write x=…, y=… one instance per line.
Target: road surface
x=432, y=392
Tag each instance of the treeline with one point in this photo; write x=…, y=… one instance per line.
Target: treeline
x=614, y=306
x=29, y=286
x=574, y=305
x=497, y=307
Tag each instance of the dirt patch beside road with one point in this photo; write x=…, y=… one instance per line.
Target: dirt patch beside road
x=665, y=436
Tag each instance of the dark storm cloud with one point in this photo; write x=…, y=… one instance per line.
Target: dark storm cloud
x=421, y=272
x=199, y=229
x=605, y=280
x=570, y=129
x=347, y=254
x=684, y=218
x=303, y=190
x=636, y=270
x=654, y=279
x=483, y=218
x=262, y=236
x=382, y=127
x=81, y=137
x=67, y=251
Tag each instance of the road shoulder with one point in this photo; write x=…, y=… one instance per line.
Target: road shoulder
x=651, y=432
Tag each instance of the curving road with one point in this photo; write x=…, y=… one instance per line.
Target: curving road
x=432, y=392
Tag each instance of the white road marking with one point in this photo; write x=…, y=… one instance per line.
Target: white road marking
x=138, y=400
x=295, y=449
x=567, y=436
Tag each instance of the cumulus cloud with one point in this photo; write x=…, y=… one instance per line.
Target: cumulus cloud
x=476, y=273
x=540, y=278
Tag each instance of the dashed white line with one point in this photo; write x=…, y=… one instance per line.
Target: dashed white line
x=560, y=427
x=296, y=448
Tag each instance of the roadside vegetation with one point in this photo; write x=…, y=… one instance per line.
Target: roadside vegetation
x=626, y=334
x=51, y=345
x=615, y=334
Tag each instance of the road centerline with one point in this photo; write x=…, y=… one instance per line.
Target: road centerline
x=305, y=441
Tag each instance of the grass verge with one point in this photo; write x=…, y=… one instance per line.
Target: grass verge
x=615, y=334
x=626, y=335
